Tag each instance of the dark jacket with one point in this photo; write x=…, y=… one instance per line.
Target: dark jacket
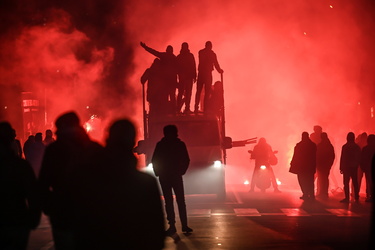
x=304, y=158
x=170, y=157
x=325, y=155
x=18, y=192
x=350, y=157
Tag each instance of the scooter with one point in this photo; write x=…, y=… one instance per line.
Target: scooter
x=263, y=178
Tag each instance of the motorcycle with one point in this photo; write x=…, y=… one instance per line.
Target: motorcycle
x=264, y=175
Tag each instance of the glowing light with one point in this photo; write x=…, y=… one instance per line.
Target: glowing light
x=87, y=127
x=6, y=107
x=217, y=164
x=372, y=112
x=87, y=107
x=219, y=244
x=278, y=182
x=58, y=71
x=359, y=103
x=263, y=167
x=331, y=6
x=150, y=166
x=246, y=182
x=305, y=33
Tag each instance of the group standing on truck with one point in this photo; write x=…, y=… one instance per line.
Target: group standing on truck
x=169, y=73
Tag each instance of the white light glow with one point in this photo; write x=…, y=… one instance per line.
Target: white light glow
x=263, y=167
x=217, y=164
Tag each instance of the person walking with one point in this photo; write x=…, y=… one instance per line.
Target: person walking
x=304, y=165
x=349, y=163
x=171, y=161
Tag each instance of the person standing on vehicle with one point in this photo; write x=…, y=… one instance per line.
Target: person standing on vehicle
x=168, y=71
x=304, y=165
x=207, y=63
x=263, y=155
x=187, y=75
x=171, y=161
x=349, y=164
x=325, y=155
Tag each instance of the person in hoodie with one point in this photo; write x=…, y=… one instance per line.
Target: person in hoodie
x=170, y=162
x=65, y=165
x=349, y=164
x=303, y=164
x=187, y=75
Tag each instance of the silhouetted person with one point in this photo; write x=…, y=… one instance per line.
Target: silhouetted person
x=16, y=144
x=361, y=141
x=62, y=174
x=367, y=154
x=35, y=153
x=156, y=95
x=48, y=138
x=304, y=165
x=262, y=154
x=20, y=209
x=171, y=161
x=216, y=103
x=325, y=156
x=28, y=147
x=349, y=163
x=207, y=63
x=168, y=73
x=187, y=75
x=120, y=207
x=316, y=135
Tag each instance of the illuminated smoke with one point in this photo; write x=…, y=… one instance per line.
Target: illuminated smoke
x=288, y=64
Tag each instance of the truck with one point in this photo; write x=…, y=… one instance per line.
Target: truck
x=206, y=142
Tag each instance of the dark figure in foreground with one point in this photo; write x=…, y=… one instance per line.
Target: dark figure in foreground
x=120, y=207
x=263, y=155
x=316, y=136
x=20, y=209
x=325, y=156
x=207, y=63
x=349, y=163
x=168, y=73
x=171, y=161
x=304, y=165
x=62, y=174
x=368, y=152
x=187, y=75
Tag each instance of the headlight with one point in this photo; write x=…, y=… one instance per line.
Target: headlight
x=217, y=164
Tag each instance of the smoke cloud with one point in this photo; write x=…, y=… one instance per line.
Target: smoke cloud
x=288, y=65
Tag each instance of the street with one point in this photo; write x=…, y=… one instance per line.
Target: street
x=262, y=221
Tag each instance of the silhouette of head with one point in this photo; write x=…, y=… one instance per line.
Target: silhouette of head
x=169, y=49
x=6, y=133
x=67, y=120
x=305, y=136
x=350, y=137
x=262, y=140
x=38, y=137
x=318, y=129
x=184, y=46
x=49, y=133
x=122, y=135
x=208, y=45
x=170, y=131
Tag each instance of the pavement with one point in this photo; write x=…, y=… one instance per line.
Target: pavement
x=261, y=221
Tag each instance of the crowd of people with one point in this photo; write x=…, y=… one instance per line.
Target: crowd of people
x=170, y=73
x=94, y=196
x=314, y=156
